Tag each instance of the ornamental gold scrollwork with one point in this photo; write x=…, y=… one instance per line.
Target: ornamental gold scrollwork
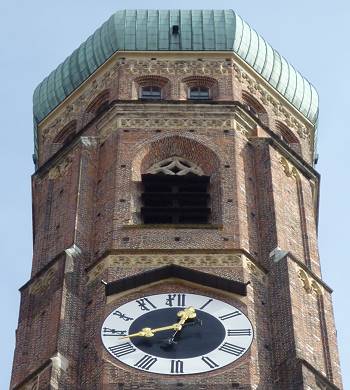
x=310, y=285
x=289, y=169
x=142, y=261
x=43, y=282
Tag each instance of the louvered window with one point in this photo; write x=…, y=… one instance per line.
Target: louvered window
x=175, y=192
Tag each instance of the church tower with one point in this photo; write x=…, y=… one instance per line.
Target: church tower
x=175, y=207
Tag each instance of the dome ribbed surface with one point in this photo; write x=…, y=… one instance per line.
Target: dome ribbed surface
x=151, y=30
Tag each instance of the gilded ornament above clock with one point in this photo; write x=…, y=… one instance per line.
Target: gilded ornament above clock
x=177, y=333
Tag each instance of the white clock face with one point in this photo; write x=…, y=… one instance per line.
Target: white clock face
x=145, y=333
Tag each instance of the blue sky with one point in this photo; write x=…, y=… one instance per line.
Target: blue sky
x=36, y=36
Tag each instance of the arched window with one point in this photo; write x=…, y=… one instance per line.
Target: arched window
x=66, y=134
x=288, y=137
x=151, y=87
x=200, y=88
x=150, y=92
x=199, y=93
x=175, y=191
x=99, y=104
x=255, y=108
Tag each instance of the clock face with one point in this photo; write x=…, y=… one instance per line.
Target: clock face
x=144, y=333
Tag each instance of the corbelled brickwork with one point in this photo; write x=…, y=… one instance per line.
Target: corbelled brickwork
x=93, y=149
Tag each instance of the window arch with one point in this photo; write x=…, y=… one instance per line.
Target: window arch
x=152, y=87
x=99, y=104
x=255, y=108
x=66, y=133
x=200, y=88
x=175, y=191
x=64, y=136
x=288, y=136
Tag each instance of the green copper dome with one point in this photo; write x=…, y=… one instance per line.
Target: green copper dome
x=151, y=30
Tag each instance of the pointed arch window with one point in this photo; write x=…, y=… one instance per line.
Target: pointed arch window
x=175, y=191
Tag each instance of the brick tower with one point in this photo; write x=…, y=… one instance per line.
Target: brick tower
x=175, y=207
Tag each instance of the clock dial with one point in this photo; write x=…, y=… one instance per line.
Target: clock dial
x=177, y=333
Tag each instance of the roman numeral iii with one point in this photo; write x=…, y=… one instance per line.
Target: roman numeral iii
x=239, y=332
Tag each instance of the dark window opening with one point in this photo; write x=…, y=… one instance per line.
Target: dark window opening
x=174, y=199
x=151, y=93
x=199, y=93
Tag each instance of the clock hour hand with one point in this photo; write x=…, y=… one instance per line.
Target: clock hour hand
x=171, y=340
x=186, y=314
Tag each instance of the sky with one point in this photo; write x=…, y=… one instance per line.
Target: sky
x=36, y=36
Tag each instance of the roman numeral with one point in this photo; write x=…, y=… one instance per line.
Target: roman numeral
x=122, y=316
x=113, y=332
x=206, y=304
x=177, y=367
x=210, y=362
x=179, y=298
x=232, y=349
x=239, y=332
x=146, y=362
x=122, y=349
x=230, y=315
x=145, y=304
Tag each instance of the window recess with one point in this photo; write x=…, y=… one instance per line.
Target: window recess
x=174, y=199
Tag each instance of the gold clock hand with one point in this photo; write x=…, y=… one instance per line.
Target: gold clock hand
x=184, y=315
x=148, y=332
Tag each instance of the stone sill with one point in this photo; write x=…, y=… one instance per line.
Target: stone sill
x=175, y=226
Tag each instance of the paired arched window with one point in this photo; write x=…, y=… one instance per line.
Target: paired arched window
x=175, y=191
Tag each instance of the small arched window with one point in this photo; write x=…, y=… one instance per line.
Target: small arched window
x=288, y=137
x=99, y=104
x=199, y=88
x=255, y=108
x=199, y=93
x=175, y=191
x=66, y=134
x=150, y=92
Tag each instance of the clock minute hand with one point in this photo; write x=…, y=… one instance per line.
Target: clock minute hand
x=148, y=332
